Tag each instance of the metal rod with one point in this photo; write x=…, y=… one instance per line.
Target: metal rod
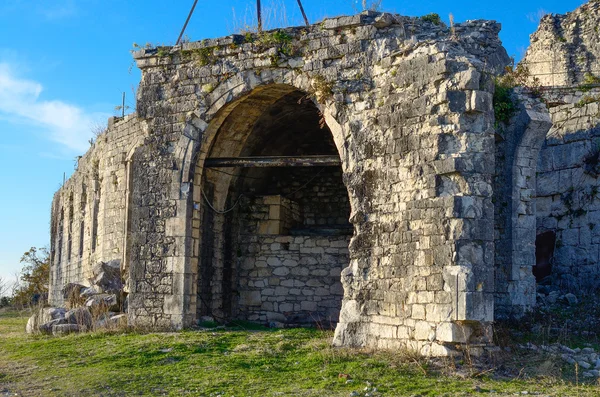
x=303, y=13
x=274, y=161
x=259, y=16
x=186, y=22
x=123, y=106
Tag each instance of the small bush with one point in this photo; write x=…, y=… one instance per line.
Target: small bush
x=433, y=18
x=504, y=105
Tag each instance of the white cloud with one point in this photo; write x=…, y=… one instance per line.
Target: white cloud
x=64, y=123
x=58, y=9
x=51, y=10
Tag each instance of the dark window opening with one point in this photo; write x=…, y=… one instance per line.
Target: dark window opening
x=544, y=251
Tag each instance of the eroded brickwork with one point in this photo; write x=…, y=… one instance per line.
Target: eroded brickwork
x=440, y=204
x=564, y=57
x=89, y=212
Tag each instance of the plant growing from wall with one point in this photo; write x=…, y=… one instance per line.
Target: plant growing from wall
x=591, y=162
x=322, y=89
x=433, y=18
x=505, y=105
x=279, y=39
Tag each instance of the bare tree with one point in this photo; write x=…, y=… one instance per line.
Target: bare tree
x=3, y=286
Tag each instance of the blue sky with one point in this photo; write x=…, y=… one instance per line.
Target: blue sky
x=65, y=63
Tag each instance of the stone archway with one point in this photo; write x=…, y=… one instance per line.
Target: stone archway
x=517, y=152
x=269, y=250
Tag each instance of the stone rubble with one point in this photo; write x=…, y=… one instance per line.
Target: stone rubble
x=94, y=307
x=587, y=358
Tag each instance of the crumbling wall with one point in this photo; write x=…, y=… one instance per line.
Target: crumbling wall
x=409, y=105
x=518, y=144
x=568, y=200
x=564, y=49
x=89, y=211
x=564, y=56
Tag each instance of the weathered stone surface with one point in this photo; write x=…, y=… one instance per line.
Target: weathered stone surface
x=103, y=302
x=65, y=329
x=111, y=321
x=79, y=316
x=43, y=316
x=89, y=291
x=46, y=328
x=72, y=290
x=107, y=276
x=442, y=205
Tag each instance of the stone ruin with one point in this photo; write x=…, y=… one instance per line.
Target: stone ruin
x=349, y=174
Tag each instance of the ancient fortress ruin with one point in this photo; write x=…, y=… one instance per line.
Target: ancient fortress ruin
x=352, y=173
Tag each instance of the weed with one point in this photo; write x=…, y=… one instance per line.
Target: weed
x=322, y=89
x=278, y=39
x=589, y=81
x=504, y=105
x=591, y=166
x=433, y=18
x=205, y=55
x=586, y=99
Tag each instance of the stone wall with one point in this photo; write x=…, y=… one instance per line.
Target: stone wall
x=518, y=145
x=564, y=56
x=292, y=280
x=320, y=193
x=568, y=201
x=564, y=50
x=89, y=211
x=409, y=107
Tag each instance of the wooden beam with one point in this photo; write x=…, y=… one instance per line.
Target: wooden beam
x=274, y=161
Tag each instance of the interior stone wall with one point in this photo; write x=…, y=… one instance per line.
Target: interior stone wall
x=292, y=280
x=89, y=211
x=568, y=200
x=320, y=193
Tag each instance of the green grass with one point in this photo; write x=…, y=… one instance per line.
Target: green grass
x=234, y=362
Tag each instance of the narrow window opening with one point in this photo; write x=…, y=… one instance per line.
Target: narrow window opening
x=544, y=251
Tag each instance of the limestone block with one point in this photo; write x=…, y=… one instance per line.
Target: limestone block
x=250, y=298
x=308, y=306
x=418, y=312
x=424, y=331
x=453, y=332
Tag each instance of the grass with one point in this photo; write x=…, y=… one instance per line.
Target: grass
x=241, y=362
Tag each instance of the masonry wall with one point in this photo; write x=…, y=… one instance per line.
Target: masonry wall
x=563, y=57
x=292, y=280
x=321, y=194
x=89, y=211
x=518, y=144
x=565, y=48
x=568, y=200
x=409, y=106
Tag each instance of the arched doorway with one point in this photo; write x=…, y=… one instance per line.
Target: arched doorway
x=273, y=226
